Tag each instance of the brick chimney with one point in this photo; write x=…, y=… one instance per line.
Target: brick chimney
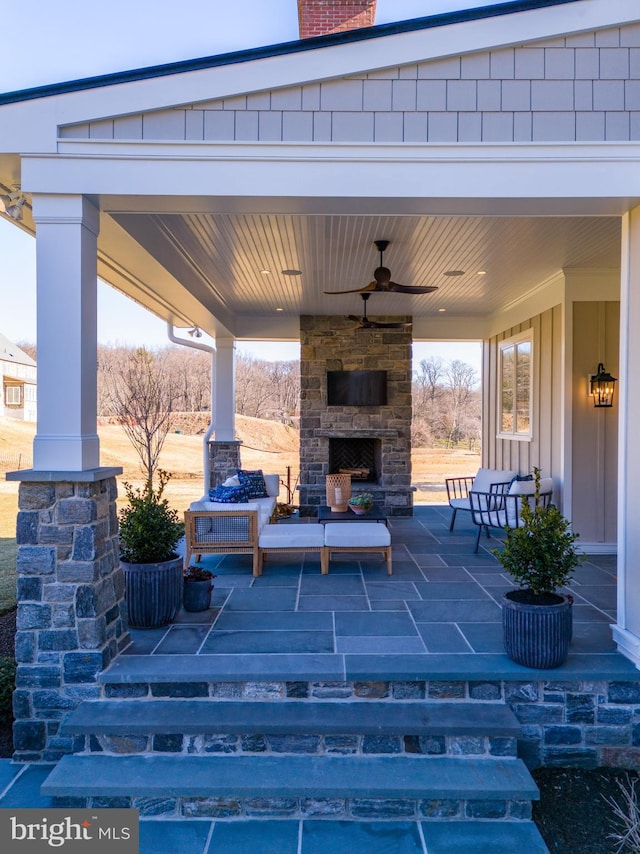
x=319, y=17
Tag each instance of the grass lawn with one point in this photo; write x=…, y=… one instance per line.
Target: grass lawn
x=8, y=550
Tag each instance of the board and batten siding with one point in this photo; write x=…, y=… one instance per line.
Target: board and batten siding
x=543, y=448
x=594, y=434
x=583, y=87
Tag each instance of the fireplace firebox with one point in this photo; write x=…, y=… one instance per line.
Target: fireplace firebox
x=357, y=456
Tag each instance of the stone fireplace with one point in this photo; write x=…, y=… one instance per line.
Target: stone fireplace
x=372, y=442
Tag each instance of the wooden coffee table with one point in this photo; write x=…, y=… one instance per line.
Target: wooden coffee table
x=375, y=514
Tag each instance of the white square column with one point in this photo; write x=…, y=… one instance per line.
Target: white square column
x=66, y=252
x=224, y=409
x=627, y=631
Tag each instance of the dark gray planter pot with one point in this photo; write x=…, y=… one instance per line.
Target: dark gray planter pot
x=153, y=592
x=196, y=595
x=537, y=636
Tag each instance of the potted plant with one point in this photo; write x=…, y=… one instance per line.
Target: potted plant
x=540, y=554
x=149, y=533
x=361, y=503
x=197, y=587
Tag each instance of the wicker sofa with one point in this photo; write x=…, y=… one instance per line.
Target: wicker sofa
x=212, y=527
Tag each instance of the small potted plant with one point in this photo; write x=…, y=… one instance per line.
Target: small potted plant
x=540, y=555
x=149, y=533
x=197, y=588
x=361, y=503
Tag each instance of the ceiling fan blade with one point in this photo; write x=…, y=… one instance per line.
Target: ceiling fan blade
x=367, y=288
x=401, y=325
x=412, y=289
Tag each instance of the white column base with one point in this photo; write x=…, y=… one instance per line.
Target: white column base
x=628, y=644
x=66, y=453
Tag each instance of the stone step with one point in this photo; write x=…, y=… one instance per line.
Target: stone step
x=364, y=717
x=359, y=837
x=297, y=786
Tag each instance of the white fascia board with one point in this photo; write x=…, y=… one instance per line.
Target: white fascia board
x=446, y=327
x=565, y=178
x=267, y=328
x=30, y=126
x=571, y=284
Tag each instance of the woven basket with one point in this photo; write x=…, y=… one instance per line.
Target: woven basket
x=338, y=492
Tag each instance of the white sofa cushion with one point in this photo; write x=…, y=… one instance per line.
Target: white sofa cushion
x=354, y=534
x=272, y=482
x=291, y=537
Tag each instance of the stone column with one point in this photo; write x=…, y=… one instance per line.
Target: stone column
x=626, y=632
x=224, y=460
x=71, y=619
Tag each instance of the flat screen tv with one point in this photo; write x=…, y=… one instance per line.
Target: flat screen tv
x=356, y=388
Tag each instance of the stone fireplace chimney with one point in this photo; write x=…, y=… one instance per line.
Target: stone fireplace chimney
x=320, y=17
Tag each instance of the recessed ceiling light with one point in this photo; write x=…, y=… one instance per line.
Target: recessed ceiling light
x=442, y=309
x=454, y=273
x=481, y=273
x=266, y=272
x=279, y=309
x=292, y=272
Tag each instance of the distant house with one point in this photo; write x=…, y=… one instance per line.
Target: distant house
x=18, y=372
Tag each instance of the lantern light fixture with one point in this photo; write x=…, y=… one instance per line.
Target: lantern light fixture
x=602, y=387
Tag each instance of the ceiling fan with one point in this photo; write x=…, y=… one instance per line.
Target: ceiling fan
x=364, y=322
x=382, y=279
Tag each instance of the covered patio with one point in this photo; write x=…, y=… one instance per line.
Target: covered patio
x=497, y=151
x=438, y=612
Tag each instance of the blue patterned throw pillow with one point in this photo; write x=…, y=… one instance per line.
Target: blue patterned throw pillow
x=229, y=494
x=254, y=483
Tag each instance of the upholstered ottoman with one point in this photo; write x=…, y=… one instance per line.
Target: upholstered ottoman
x=288, y=538
x=356, y=537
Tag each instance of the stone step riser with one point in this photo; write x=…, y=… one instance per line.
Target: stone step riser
x=373, y=809
x=177, y=686
x=312, y=744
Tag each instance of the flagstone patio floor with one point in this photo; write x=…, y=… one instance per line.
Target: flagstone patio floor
x=438, y=614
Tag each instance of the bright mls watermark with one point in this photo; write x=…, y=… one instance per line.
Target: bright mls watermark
x=34, y=831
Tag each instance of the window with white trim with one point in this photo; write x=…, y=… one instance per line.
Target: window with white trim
x=515, y=381
x=13, y=395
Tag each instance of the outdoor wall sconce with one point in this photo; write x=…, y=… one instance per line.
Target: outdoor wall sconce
x=602, y=386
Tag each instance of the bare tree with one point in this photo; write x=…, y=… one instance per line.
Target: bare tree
x=141, y=395
x=461, y=383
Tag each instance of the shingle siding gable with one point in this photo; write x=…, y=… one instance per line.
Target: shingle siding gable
x=584, y=87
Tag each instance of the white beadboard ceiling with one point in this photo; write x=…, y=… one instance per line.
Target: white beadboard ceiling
x=220, y=258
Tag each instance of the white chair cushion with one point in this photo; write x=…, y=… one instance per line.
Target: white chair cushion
x=524, y=487
x=484, y=479
x=354, y=534
x=460, y=504
x=291, y=536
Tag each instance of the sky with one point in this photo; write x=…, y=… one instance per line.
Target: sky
x=66, y=40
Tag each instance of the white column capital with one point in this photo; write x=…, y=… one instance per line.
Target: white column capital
x=66, y=210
